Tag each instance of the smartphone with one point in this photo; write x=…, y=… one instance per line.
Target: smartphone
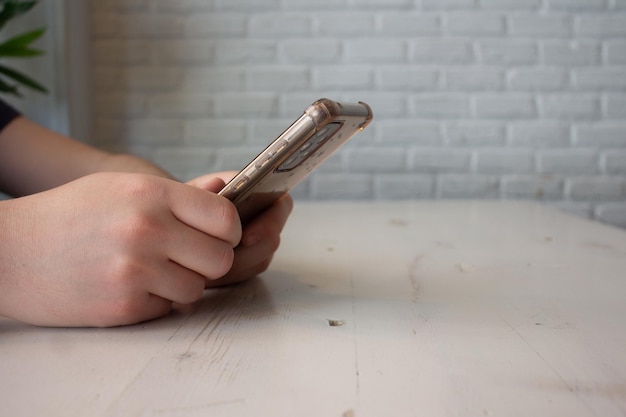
x=323, y=127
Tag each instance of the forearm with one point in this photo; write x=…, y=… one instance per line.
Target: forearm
x=129, y=163
x=33, y=159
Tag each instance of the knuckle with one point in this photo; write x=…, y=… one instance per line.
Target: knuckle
x=224, y=261
x=138, y=228
x=228, y=216
x=142, y=187
x=124, y=309
x=125, y=270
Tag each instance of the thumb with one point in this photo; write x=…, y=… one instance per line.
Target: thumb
x=213, y=185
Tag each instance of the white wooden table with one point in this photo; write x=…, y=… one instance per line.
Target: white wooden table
x=387, y=309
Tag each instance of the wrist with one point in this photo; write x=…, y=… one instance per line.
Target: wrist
x=131, y=164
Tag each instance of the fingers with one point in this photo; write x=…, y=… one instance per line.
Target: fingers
x=194, y=241
x=177, y=283
x=208, y=256
x=269, y=223
x=260, y=241
x=207, y=212
x=250, y=262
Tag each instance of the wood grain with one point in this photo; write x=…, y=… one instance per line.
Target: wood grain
x=439, y=309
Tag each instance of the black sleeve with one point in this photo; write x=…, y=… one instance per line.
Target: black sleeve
x=7, y=114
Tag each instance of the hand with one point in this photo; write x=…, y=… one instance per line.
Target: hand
x=112, y=249
x=261, y=236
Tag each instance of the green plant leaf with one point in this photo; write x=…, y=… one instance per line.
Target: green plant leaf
x=9, y=89
x=12, y=9
x=17, y=46
x=22, y=79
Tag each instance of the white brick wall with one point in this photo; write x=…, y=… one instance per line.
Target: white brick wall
x=521, y=99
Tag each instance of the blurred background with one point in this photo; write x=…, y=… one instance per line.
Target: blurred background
x=473, y=99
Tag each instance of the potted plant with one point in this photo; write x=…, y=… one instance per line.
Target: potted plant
x=18, y=46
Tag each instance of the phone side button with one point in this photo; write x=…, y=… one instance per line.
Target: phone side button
x=239, y=184
x=265, y=160
x=280, y=146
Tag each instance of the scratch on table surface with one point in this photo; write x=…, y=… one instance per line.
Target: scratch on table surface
x=187, y=409
x=216, y=317
x=464, y=267
x=415, y=285
x=180, y=326
x=185, y=355
x=398, y=222
x=148, y=363
x=572, y=388
x=356, y=350
x=214, y=322
x=604, y=247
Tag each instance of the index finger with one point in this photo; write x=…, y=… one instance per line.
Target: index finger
x=205, y=211
x=269, y=222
